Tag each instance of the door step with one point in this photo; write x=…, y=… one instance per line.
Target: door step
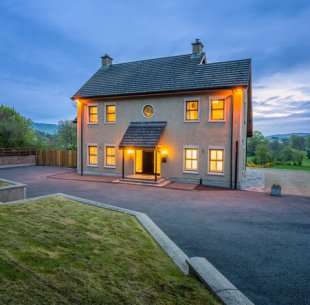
x=160, y=181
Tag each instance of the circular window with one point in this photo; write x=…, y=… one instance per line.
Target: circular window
x=148, y=111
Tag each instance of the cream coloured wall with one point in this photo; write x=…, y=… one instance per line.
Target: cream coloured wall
x=177, y=134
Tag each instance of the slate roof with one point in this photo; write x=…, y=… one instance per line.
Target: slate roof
x=167, y=74
x=143, y=134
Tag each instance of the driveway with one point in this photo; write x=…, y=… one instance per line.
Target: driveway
x=260, y=243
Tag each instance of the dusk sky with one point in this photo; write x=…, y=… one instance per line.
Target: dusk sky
x=48, y=49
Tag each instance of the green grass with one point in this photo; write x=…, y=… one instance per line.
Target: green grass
x=304, y=167
x=4, y=184
x=57, y=251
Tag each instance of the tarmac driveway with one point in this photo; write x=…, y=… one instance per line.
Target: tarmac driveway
x=260, y=243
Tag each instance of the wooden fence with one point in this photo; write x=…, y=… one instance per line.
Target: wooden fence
x=8, y=152
x=56, y=157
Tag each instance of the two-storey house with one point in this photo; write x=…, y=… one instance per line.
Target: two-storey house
x=179, y=118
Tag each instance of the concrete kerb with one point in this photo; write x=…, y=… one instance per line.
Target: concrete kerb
x=215, y=282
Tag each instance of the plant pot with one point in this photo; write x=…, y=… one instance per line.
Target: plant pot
x=276, y=191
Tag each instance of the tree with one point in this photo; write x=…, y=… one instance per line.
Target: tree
x=253, y=142
x=275, y=147
x=298, y=142
x=308, y=146
x=67, y=135
x=262, y=154
x=299, y=156
x=15, y=130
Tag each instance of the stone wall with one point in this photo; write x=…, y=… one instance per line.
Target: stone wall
x=13, y=191
x=292, y=182
x=11, y=161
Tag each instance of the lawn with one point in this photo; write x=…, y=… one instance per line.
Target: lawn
x=3, y=184
x=304, y=167
x=57, y=251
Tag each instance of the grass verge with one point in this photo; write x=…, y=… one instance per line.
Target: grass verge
x=57, y=251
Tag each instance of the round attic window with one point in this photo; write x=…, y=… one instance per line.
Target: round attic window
x=148, y=111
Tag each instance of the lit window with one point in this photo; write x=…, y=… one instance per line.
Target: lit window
x=191, y=159
x=216, y=160
x=92, y=114
x=191, y=108
x=148, y=111
x=110, y=156
x=110, y=113
x=92, y=155
x=217, y=110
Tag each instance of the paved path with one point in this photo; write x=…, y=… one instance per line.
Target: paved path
x=260, y=243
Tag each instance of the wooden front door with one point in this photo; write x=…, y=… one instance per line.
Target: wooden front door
x=148, y=162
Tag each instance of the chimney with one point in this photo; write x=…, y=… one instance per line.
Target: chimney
x=106, y=60
x=197, y=47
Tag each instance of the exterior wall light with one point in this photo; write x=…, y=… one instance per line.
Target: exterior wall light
x=164, y=156
x=130, y=151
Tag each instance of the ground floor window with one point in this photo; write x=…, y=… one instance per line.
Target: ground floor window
x=216, y=161
x=92, y=155
x=109, y=156
x=191, y=159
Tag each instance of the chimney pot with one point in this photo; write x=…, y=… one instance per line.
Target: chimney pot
x=197, y=47
x=106, y=60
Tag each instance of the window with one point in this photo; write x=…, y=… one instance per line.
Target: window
x=191, y=110
x=216, y=161
x=92, y=114
x=217, y=109
x=92, y=155
x=110, y=113
x=191, y=160
x=109, y=160
x=148, y=111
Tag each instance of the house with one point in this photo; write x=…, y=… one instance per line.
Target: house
x=179, y=118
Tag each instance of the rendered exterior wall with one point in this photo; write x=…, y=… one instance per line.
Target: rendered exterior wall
x=177, y=134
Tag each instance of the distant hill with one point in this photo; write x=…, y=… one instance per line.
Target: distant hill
x=46, y=128
x=280, y=137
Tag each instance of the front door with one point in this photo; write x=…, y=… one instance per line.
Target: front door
x=148, y=162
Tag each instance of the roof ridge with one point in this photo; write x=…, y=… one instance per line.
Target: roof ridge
x=134, y=61
x=228, y=61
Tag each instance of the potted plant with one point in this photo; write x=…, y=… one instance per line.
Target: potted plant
x=276, y=190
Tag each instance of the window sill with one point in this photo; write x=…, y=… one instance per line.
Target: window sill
x=90, y=123
x=193, y=121
x=109, y=123
x=92, y=165
x=191, y=172
x=107, y=166
x=215, y=174
x=217, y=121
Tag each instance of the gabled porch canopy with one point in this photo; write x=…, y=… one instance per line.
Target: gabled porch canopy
x=142, y=134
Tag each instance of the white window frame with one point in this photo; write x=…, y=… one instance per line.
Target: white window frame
x=188, y=99
x=105, y=112
x=216, y=148
x=96, y=145
x=92, y=105
x=104, y=155
x=184, y=160
x=219, y=97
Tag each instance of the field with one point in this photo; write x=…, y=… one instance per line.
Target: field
x=58, y=251
x=289, y=166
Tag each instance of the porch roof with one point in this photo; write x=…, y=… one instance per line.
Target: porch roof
x=143, y=134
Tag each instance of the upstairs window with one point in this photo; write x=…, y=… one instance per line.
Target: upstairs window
x=109, y=156
x=191, y=110
x=217, y=110
x=191, y=159
x=216, y=161
x=92, y=114
x=92, y=155
x=110, y=113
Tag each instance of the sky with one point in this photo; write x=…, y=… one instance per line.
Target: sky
x=48, y=49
